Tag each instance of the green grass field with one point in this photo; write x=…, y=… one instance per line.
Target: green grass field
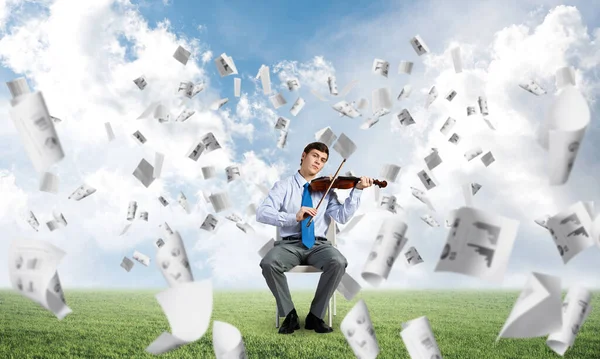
x=121, y=324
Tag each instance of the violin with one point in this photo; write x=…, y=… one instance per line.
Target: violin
x=321, y=184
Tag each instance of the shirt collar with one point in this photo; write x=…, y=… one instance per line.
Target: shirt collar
x=299, y=179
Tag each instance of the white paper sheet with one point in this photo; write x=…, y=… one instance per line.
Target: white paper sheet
x=297, y=106
x=419, y=45
x=109, y=131
x=537, y=311
x=188, y=308
x=182, y=55
x=451, y=95
x=344, y=146
x=390, y=172
x=293, y=84
x=405, y=92
x=233, y=173
x=225, y=65
x=348, y=287
x=412, y=257
x=48, y=183
x=142, y=258
x=405, y=118
x=358, y=330
x=380, y=67
x=576, y=308
x=144, y=172
x=346, y=109
x=326, y=136
x=405, y=67
x=237, y=87
x=210, y=223
x=388, y=244
x=447, y=126
x=479, y=244
x=227, y=341
x=332, y=84
x=277, y=100
x=220, y=201
x=419, y=340
x=209, y=172
x=431, y=96
x=422, y=196
x=32, y=273
x=141, y=82
x=172, y=260
x=571, y=230
x=82, y=192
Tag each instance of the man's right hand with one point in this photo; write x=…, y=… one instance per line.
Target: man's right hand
x=304, y=213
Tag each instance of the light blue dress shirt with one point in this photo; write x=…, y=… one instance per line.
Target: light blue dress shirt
x=283, y=202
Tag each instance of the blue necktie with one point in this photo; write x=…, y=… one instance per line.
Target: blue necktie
x=308, y=233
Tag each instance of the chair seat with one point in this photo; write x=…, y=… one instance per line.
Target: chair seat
x=304, y=269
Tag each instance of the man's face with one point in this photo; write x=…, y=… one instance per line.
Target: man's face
x=314, y=161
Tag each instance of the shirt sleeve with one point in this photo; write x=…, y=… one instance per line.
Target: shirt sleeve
x=341, y=213
x=269, y=211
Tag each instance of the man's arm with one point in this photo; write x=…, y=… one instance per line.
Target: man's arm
x=341, y=213
x=269, y=210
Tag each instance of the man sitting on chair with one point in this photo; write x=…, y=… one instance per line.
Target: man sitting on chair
x=289, y=206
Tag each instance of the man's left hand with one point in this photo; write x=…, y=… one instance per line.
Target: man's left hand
x=364, y=183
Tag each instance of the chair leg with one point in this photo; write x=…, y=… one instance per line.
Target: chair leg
x=276, y=317
x=334, y=304
x=329, y=312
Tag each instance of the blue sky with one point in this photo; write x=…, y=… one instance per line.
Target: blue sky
x=348, y=37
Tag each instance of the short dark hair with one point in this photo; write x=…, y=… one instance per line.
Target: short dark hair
x=319, y=146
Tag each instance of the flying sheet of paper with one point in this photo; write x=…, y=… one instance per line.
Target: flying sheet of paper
x=390, y=172
x=36, y=130
x=189, y=90
x=576, y=308
x=532, y=87
x=473, y=153
x=433, y=159
x=81, y=192
x=234, y=217
x=431, y=96
x=456, y=60
x=245, y=227
x=216, y=105
x=210, y=223
x=52, y=225
x=48, y=183
x=209, y=172
x=143, y=216
x=332, y=84
x=537, y=311
x=32, y=273
x=163, y=201
x=422, y=196
x=277, y=100
x=428, y=218
x=225, y=65
x=182, y=55
x=471, y=110
x=419, y=340
x=195, y=151
x=233, y=173
x=265, y=78
x=297, y=106
x=405, y=92
x=479, y=244
x=488, y=159
x=358, y=330
x=159, y=158
x=293, y=84
x=139, y=137
x=405, y=118
x=389, y=203
x=368, y=123
x=571, y=230
x=59, y=218
x=348, y=287
x=381, y=67
x=427, y=179
x=346, y=109
x=188, y=307
x=149, y=110
x=405, y=67
x=326, y=136
x=419, y=45
x=351, y=224
x=447, y=126
x=172, y=260
x=32, y=220
x=543, y=221
x=140, y=82
x=282, y=123
x=237, y=87
x=210, y=142
x=389, y=242
x=381, y=102
x=127, y=264
x=483, y=106
x=344, y=146
x=251, y=209
x=318, y=95
x=467, y=194
x=451, y=95
x=227, y=341
x=109, y=131
x=412, y=257
x=182, y=200
x=282, y=139
x=220, y=201
x=454, y=139
x=144, y=173
x=131, y=210
x=142, y=258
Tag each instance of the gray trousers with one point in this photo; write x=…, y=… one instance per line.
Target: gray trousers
x=286, y=254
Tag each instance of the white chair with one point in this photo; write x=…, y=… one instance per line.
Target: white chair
x=332, y=307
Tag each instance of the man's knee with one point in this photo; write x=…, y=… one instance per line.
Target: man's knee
x=270, y=264
x=338, y=263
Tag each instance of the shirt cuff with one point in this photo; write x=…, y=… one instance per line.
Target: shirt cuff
x=287, y=219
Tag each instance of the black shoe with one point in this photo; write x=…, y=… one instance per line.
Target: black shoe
x=316, y=323
x=290, y=323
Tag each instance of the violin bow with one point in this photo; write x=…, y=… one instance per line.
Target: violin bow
x=330, y=185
